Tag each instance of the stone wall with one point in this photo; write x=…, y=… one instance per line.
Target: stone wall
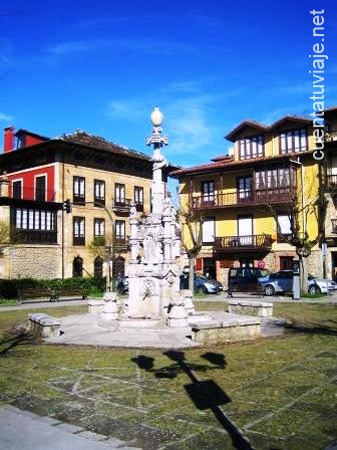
x=315, y=263
x=35, y=262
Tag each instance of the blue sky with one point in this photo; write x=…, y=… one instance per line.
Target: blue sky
x=102, y=66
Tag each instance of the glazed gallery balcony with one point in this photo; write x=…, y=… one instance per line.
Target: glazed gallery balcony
x=247, y=197
x=238, y=243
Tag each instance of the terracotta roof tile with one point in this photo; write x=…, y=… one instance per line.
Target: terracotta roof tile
x=210, y=167
x=83, y=138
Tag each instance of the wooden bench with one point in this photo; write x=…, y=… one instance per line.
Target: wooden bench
x=68, y=293
x=28, y=294
x=45, y=294
x=44, y=326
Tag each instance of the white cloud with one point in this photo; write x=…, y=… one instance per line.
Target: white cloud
x=6, y=117
x=147, y=45
x=130, y=110
x=188, y=125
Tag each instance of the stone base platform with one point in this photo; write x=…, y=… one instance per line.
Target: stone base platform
x=225, y=327
x=214, y=328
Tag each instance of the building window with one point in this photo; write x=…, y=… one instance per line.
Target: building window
x=283, y=227
x=244, y=186
x=208, y=230
x=30, y=225
x=272, y=179
x=99, y=227
x=207, y=192
x=17, y=189
x=78, y=231
x=139, y=198
x=252, y=147
x=99, y=193
x=40, y=188
x=294, y=141
x=98, y=267
x=78, y=267
x=120, y=230
x=79, y=190
x=119, y=194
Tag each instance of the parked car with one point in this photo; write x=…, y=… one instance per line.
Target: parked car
x=282, y=282
x=202, y=284
x=244, y=279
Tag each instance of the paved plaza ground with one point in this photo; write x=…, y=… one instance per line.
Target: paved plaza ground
x=273, y=393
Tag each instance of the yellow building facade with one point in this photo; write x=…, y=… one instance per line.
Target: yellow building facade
x=245, y=201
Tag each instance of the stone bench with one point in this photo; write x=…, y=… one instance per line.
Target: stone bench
x=95, y=306
x=250, y=308
x=44, y=326
x=231, y=330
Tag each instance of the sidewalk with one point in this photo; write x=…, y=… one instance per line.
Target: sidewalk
x=24, y=430
x=222, y=297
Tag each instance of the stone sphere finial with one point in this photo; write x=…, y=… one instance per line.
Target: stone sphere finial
x=157, y=117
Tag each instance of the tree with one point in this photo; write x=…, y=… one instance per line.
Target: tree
x=192, y=221
x=308, y=203
x=6, y=236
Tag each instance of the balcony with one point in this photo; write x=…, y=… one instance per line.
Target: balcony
x=331, y=136
x=249, y=197
x=121, y=206
x=20, y=236
x=121, y=244
x=239, y=243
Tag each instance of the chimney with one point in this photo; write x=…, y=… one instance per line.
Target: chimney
x=8, y=139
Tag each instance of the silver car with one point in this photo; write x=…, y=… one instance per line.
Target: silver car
x=282, y=281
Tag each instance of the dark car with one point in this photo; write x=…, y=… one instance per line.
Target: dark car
x=244, y=279
x=202, y=284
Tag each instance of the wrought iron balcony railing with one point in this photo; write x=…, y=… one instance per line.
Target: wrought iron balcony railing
x=237, y=243
x=121, y=244
x=331, y=136
x=249, y=197
x=121, y=205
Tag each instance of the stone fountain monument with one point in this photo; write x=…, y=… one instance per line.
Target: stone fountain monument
x=154, y=276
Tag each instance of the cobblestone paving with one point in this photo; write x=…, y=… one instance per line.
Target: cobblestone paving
x=149, y=405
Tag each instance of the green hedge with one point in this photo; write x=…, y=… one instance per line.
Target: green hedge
x=9, y=288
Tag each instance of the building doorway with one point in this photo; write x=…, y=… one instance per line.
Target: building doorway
x=77, y=267
x=98, y=267
x=209, y=268
x=119, y=267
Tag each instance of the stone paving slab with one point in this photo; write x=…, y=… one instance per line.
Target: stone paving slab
x=19, y=430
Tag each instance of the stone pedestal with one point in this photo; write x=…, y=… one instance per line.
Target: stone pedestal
x=187, y=295
x=177, y=317
x=110, y=310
